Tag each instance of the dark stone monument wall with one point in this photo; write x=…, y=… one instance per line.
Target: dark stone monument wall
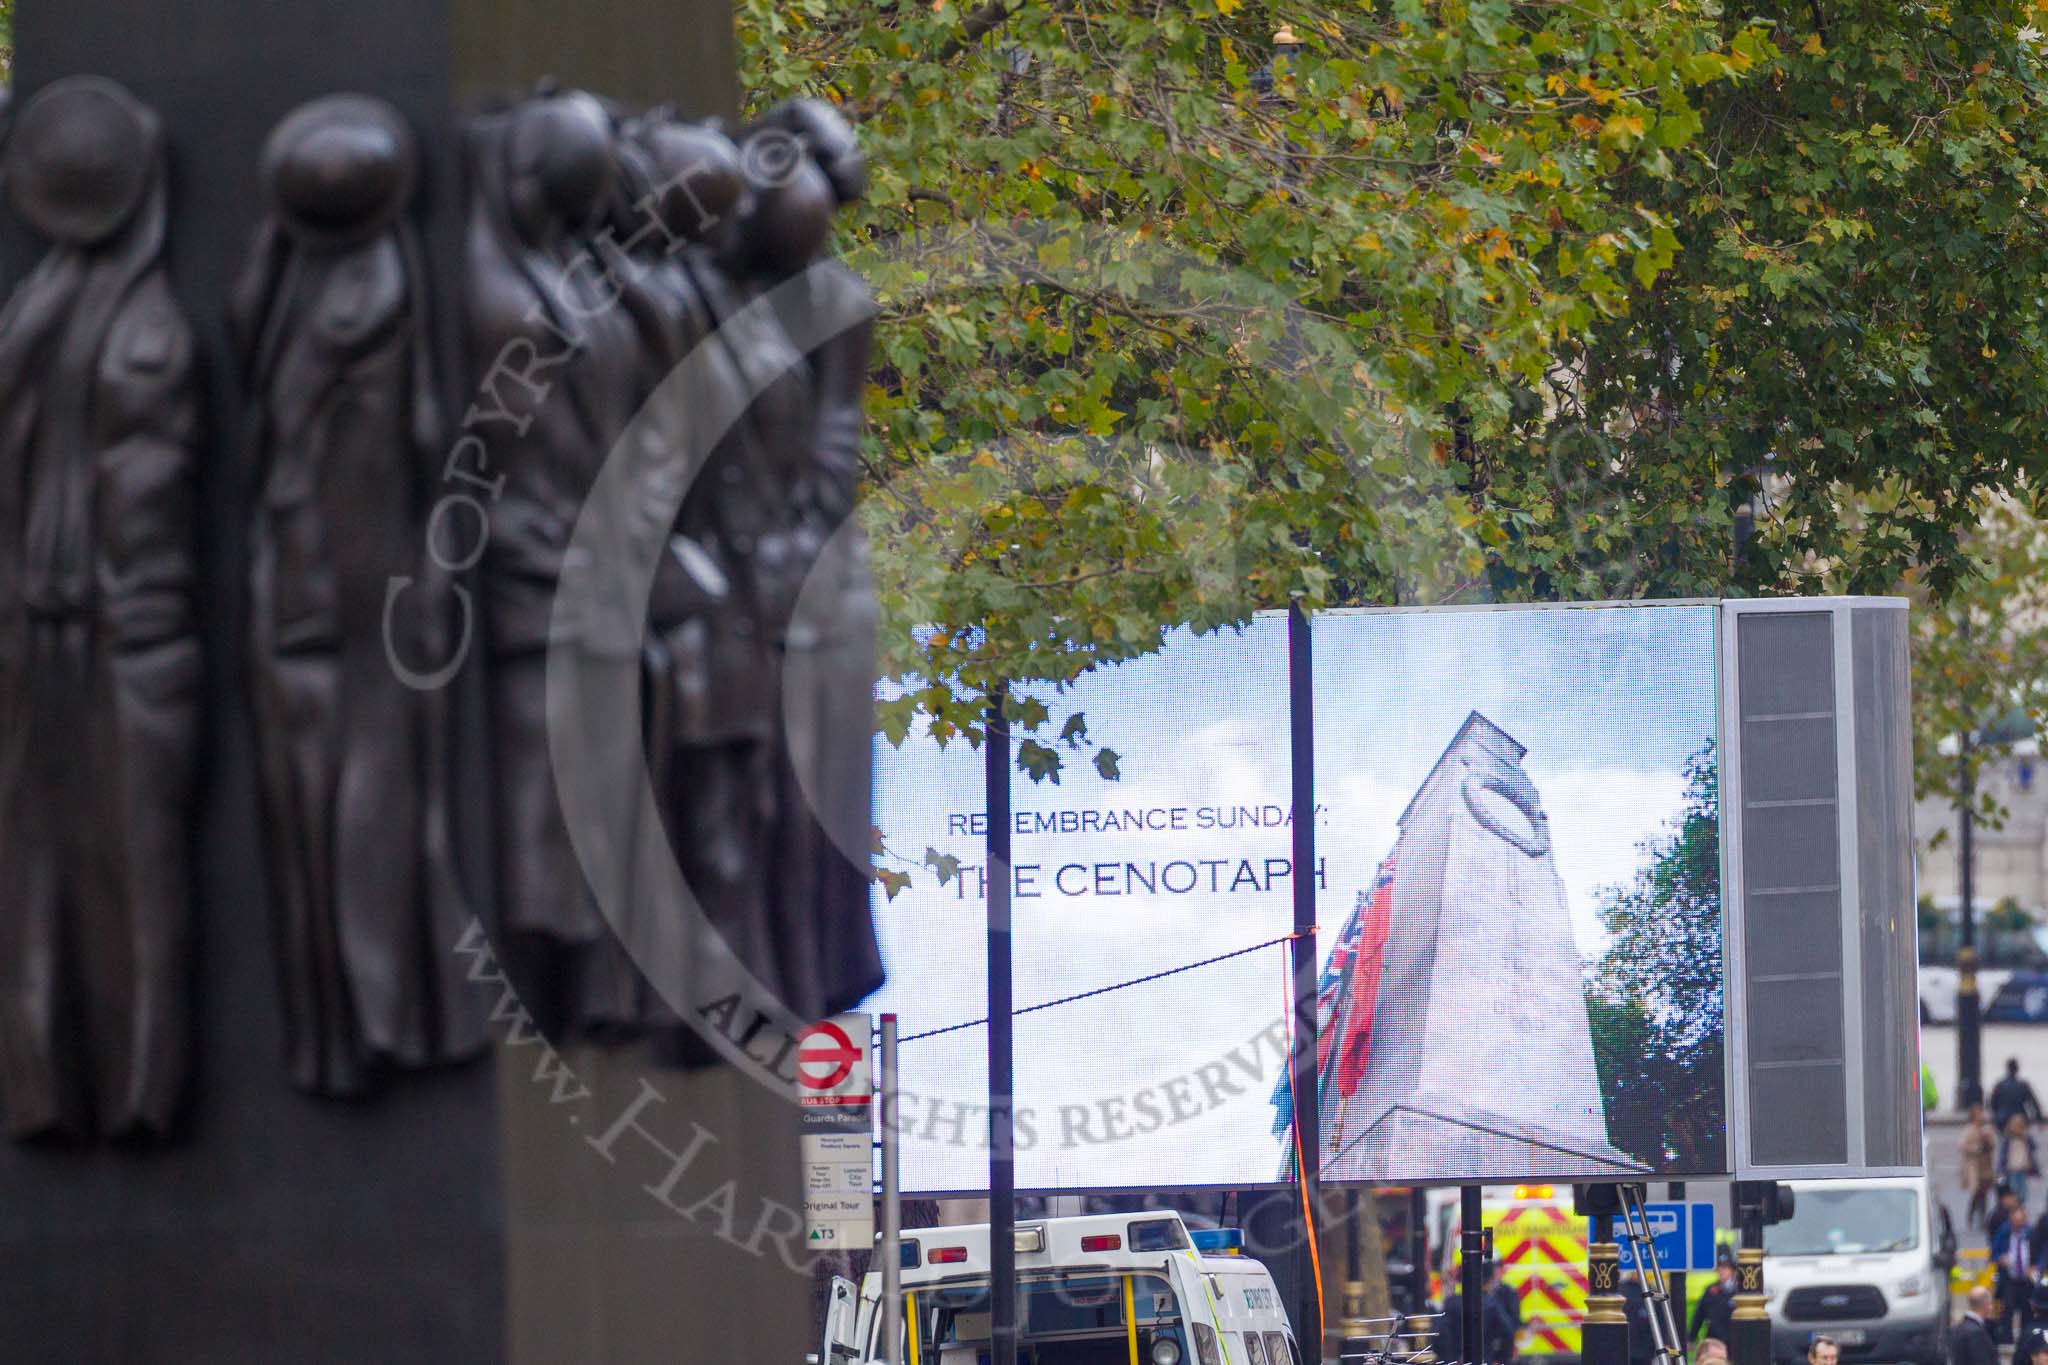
x=279, y=1227
x=641, y=53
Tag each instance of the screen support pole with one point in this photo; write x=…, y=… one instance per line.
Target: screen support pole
x=1471, y=1270
x=1605, y=1335
x=1002, y=1160
x=1418, y=1257
x=1675, y=1192
x=1302, y=1077
x=1750, y=1332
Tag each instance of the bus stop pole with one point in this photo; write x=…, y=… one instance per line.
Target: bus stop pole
x=1002, y=1160
x=891, y=1249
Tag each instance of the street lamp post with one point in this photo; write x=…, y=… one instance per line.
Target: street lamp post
x=1969, y=1025
x=1999, y=735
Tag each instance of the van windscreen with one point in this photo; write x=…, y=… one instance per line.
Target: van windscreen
x=1846, y=1222
x=1065, y=1320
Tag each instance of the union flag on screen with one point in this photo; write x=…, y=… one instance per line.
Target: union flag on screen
x=1346, y=996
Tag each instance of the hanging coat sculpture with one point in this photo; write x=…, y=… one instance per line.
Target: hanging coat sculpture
x=100, y=666
x=332, y=312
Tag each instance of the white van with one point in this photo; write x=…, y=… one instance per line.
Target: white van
x=1864, y=1262
x=1106, y=1289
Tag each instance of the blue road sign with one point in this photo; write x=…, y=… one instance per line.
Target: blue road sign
x=1683, y=1235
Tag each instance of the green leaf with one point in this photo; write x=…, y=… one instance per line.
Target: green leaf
x=1038, y=761
x=945, y=864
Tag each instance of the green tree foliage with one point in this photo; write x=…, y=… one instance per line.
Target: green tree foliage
x=1980, y=660
x=1654, y=998
x=1853, y=318
x=1468, y=299
x=1174, y=330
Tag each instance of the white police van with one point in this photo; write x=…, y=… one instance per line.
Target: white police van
x=1864, y=1262
x=1106, y=1289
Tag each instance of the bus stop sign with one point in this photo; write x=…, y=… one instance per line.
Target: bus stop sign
x=1683, y=1235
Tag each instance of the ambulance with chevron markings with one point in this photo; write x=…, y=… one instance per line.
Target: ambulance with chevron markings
x=1105, y=1289
x=1540, y=1246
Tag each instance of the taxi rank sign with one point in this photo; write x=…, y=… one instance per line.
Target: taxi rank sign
x=835, y=1089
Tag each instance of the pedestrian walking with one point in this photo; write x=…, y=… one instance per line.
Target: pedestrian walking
x=1970, y=1342
x=2005, y=1203
x=1715, y=1311
x=1979, y=1148
x=2011, y=1096
x=1635, y=1306
x=1500, y=1319
x=2019, y=1158
x=2012, y=1253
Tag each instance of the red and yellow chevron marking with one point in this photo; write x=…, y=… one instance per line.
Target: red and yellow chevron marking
x=1542, y=1249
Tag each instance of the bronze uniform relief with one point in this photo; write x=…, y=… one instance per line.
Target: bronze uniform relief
x=714, y=677
x=332, y=321
x=100, y=668
x=809, y=165
x=558, y=367
x=608, y=255
x=705, y=665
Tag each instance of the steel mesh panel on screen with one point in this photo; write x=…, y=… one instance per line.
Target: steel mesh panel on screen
x=1885, y=909
x=1792, y=888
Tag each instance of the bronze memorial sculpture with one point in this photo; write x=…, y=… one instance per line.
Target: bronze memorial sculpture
x=737, y=669
x=100, y=667
x=829, y=657
x=336, y=350
x=557, y=369
x=606, y=252
x=703, y=659
x=642, y=240
x=284, y=609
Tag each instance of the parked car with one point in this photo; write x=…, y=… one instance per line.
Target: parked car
x=2012, y=952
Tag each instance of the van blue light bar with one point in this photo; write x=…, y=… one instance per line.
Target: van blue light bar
x=1218, y=1241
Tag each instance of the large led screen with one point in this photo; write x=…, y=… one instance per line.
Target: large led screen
x=1183, y=858
x=1522, y=917
x=1519, y=912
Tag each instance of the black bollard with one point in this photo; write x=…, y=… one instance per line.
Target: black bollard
x=1758, y=1203
x=1605, y=1337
